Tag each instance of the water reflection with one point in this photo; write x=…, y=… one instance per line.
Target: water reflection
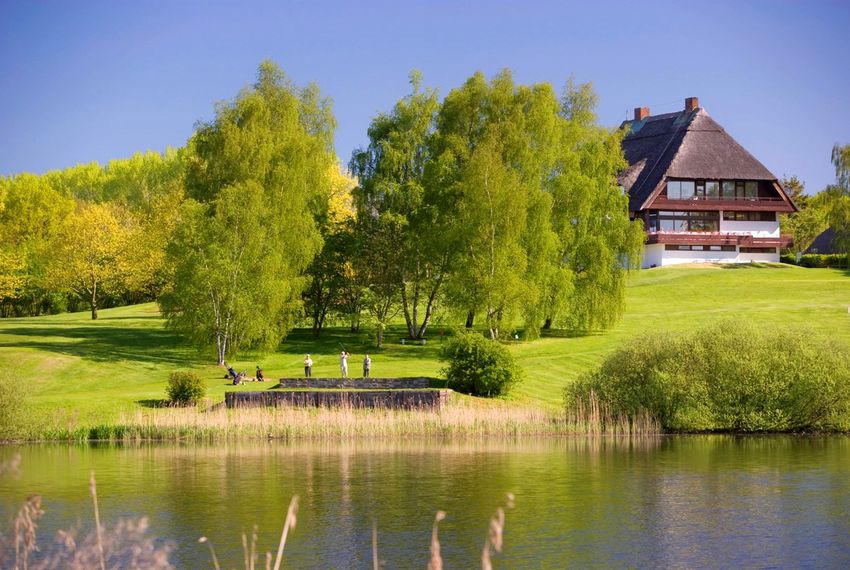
x=716, y=501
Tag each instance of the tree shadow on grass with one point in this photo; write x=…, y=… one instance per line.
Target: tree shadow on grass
x=156, y=403
x=104, y=343
x=754, y=265
x=567, y=333
x=333, y=340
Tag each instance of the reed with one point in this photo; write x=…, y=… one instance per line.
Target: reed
x=496, y=419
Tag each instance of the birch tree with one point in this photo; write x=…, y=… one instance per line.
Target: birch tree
x=256, y=180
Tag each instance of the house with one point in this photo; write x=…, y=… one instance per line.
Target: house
x=702, y=197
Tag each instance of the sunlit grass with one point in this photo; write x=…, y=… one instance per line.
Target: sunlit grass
x=81, y=373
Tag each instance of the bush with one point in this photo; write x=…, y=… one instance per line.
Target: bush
x=732, y=376
x=185, y=387
x=479, y=366
x=833, y=260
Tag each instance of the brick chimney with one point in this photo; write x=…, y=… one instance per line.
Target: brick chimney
x=641, y=113
x=691, y=104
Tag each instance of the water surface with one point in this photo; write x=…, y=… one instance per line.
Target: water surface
x=714, y=502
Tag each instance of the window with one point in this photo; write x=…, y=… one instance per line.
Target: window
x=680, y=189
x=677, y=247
x=674, y=190
x=749, y=216
x=700, y=189
x=758, y=250
x=722, y=248
x=729, y=189
x=684, y=221
x=739, y=189
x=712, y=189
x=751, y=189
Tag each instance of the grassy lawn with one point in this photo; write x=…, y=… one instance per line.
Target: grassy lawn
x=87, y=370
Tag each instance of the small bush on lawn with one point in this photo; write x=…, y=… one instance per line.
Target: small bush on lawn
x=732, y=376
x=479, y=366
x=185, y=387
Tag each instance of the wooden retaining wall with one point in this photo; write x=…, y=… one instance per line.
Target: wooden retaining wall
x=357, y=383
x=394, y=399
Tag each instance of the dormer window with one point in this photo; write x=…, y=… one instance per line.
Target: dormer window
x=712, y=189
x=681, y=189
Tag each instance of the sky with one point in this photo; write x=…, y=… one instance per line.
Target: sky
x=94, y=81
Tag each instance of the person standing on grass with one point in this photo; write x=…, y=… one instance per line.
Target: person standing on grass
x=308, y=366
x=343, y=363
x=367, y=365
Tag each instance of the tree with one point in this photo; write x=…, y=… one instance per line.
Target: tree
x=327, y=275
x=597, y=242
x=836, y=199
x=31, y=218
x=380, y=273
x=256, y=180
x=806, y=224
x=492, y=155
x=92, y=251
x=391, y=174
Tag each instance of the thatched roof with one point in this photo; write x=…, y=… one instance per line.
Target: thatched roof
x=686, y=144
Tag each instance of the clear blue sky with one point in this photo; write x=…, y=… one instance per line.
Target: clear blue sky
x=83, y=81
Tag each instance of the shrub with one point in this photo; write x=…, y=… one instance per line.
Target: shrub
x=732, y=376
x=479, y=366
x=185, y=387
x=833, y=260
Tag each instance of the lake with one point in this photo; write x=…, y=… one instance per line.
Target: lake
x=676, y=501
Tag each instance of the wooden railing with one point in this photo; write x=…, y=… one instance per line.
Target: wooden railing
x=716, y=238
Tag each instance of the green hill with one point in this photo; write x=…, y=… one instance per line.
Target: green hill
x=78, y=370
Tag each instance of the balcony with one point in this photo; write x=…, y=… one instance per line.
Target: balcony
x=716, y=238
x=760, y=203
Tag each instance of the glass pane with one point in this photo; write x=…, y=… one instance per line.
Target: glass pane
x=712, y=189
x=668, y=225
x=700, y=191
x=728, y=189
x=674, y=190
x=752, y=189
x=687, y=189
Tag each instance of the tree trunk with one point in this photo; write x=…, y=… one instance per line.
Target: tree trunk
x=548, y=324
x=94, y=302
x=379, y=335
x=470, y=317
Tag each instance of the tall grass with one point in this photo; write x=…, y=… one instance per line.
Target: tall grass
x=288, y=422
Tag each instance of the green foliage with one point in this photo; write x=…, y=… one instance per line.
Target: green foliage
x=185, y=387
x=731, y=376
x=834, y=260
x=257, y=179
x=479, y=366
x=836, y=199
x=392, y=174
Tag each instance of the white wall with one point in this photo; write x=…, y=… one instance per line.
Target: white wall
x=656, y=255
x=679, y=257
x=652, y=255
x=756, y=229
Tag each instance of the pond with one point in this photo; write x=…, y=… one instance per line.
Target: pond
x=696, y=501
